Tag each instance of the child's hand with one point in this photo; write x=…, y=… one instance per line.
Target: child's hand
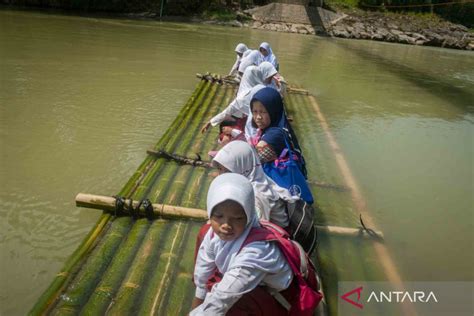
x=227, y=130
x=205, y=127
x=225, y=140
x=277, y=82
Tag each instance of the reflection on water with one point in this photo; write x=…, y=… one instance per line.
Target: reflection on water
x=81, y=99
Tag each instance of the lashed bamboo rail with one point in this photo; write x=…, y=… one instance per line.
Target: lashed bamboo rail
x=169, y=211
x=163, y=248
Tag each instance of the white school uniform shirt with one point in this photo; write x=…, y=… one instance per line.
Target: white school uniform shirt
x=240, y=106
x=270, y=199
x=271, y=58
x=240, y=48
x=243, y=269
x=252, y=59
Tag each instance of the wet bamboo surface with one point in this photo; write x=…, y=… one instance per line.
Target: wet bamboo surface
x=128, y=266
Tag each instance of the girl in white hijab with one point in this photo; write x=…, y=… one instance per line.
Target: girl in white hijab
x=240, y=49
x=268, y=72
x=231, y=210
x=253, y=58
x=270, y=199
x=251, y=82
x=266, y=54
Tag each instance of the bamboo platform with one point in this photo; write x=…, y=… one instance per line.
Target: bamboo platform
x=138, y=266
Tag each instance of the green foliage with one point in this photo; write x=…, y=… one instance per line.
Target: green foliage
x=462, y=13
x=342, y=4
x=458, y=13
x=219, y=14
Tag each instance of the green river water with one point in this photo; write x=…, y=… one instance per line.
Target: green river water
x=81, y=99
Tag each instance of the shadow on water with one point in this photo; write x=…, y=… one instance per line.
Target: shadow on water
x=438, y=86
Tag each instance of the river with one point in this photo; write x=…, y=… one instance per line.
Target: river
x=82, y=98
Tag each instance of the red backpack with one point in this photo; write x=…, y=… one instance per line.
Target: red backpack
x=307, y=296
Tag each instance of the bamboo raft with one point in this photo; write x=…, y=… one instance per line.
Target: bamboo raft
x=134, y=265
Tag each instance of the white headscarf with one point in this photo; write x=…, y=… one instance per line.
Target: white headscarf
x=241, y=48
x=271, y=58
x=253, y=76
x=247, y=52
x=234, y=187
x=253, y=58
x=267, y=69
x=239, y=157
x=250, y=131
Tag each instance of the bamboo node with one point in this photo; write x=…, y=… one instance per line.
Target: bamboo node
x=62, y=274
x=169, y=255
x=131, y=285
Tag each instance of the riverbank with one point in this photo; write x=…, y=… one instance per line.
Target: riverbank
x=414, y=29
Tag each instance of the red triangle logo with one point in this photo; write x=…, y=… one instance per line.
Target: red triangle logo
x=346, y=298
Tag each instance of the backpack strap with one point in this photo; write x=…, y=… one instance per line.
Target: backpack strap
x=292, y=251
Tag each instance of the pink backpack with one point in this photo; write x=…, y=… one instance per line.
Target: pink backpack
x=307, y=297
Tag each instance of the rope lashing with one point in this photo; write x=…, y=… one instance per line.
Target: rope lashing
x=369, y=231
x=119, y=204
x=147, y=205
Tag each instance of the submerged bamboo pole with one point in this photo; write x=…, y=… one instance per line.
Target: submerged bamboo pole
x=47, y=299
x=386, y=260
x=107, y=203
x=82, y=286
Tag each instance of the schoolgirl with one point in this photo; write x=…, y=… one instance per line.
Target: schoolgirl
x=239, y=108
x=273, y=129
x=247, y=273
x=240, y=49
x=266, y=54
x=270, y=199
x=253, y=58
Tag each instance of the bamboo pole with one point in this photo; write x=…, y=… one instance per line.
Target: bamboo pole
x=203, y=88
x=47, y=299
x=175, y=270
x=184, y=124
x=156, y=243
x=193, y=127
x=81, y=287
x=164, y=271
x=161, y=187
x=49, y=296
x=329, y=256
x=386, y=261
x=107, y=203
x=194, y=144
x=113, y=276
x=148, y=177
x=177, y=299
x=147, y=164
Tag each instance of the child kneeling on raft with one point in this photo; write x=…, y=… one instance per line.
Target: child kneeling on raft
x=231, y=277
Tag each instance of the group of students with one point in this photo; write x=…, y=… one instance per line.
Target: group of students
x=246, y=57
x=235, y=272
